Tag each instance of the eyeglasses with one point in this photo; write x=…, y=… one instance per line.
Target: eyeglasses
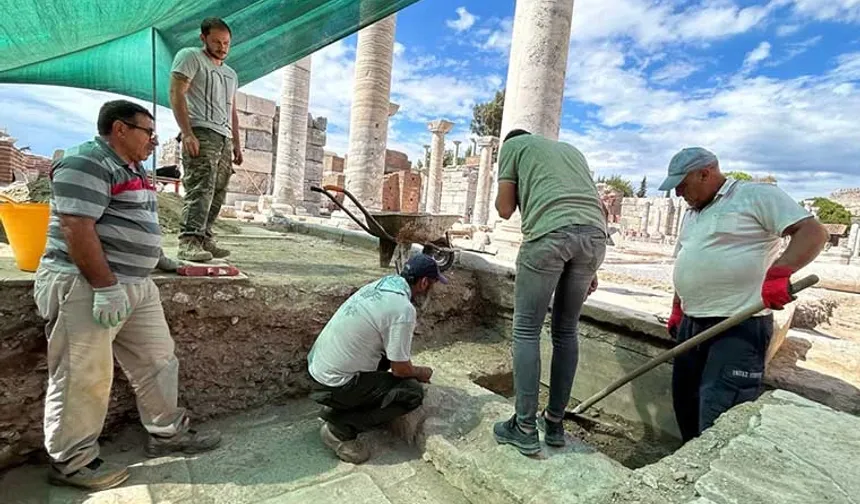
x=150, y=131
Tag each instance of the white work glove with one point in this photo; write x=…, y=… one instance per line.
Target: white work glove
x=110, y=305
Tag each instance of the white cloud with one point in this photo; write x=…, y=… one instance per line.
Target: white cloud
x=795, y=49
x=786, y=30
x=674, y=72
x=802, y=130
x=499, y=40
x=846, y=11
x=464, y=21
x=756, y=56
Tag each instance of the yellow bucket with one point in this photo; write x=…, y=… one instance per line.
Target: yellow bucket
x=26, y=226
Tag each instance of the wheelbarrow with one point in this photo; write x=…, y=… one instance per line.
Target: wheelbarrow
x=397, y=231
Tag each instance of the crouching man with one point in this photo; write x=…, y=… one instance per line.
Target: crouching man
x=361, y=362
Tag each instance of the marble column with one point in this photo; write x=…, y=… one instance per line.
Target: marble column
x=645, y=218
x=368, y=125
x=854, y=239
x=679, y=216
x=535, y=82
x=293, y=134
x=438, y=128
x=457, y=152
x=485, y=180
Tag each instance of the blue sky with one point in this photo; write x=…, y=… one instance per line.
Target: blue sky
x=772, y=87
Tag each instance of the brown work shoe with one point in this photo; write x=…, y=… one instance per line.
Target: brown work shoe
x=352, y=451
x=97, y=475
x=189, y=442
x=191, y=249
x=217, y=252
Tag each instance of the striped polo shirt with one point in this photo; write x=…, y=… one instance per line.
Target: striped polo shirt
x=91, y=180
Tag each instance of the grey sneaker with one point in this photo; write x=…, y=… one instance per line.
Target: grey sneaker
x=217, y=252
x=508, y=432
x=553, y=431
x=97, y=475
x=189, y=442
x=352, y=451
x=191, y=249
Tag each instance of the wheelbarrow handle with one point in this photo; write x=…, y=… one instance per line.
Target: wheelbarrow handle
x=369, y=219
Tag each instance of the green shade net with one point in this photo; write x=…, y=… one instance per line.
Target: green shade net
x=109, y=45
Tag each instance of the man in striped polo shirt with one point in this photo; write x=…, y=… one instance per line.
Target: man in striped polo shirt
x=93, y=287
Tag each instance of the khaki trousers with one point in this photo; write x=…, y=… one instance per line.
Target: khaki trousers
x=80, y=366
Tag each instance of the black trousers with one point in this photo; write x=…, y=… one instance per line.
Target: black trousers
x=368, y=401
x=726, y=371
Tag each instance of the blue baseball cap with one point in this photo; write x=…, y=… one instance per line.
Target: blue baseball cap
x=420, y=266
x=684, y=162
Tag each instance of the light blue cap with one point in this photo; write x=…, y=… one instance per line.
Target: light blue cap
x=684, y=162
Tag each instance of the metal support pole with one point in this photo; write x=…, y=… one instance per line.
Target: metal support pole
x=154, y=108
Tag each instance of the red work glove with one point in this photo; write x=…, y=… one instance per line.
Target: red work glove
x=675, y=318
x=775, y=291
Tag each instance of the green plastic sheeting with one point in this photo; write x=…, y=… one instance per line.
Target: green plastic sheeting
x=109, y=45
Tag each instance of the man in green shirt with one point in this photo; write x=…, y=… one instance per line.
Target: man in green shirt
x=564, y=243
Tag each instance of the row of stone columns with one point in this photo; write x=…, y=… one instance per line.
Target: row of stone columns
x=533, y=101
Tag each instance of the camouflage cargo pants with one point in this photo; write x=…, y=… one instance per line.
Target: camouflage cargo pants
x=205, y=179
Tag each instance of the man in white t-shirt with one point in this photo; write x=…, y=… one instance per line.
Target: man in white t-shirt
x=728, y=260
x=362, y=361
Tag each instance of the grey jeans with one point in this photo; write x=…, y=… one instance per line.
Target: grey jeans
x=565, y=262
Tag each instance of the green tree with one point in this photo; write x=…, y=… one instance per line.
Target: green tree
x=831, y=212
x=619, y=184
x=448, y=158
x=643, y=188
x=419, y=165
x=487, y=117
x=468, y=151
x=739, y=175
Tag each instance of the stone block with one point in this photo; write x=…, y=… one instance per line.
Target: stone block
x=315, y=153
x=228, y=212
x=241, y=101
x=265, y=202
x=316, y=138
x=320, y=123
x=249, y=183
x=410, y=192
x=246, y=205
x=255, y=122
x=396, y=161
x=258, y=140
x=256, y=161
x=332, y=162
x=260, y=106
x=391, y=193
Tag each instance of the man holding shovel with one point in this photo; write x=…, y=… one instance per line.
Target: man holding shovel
x=727, y=260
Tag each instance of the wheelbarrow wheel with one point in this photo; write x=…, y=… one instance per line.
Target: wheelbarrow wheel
x=444, y=258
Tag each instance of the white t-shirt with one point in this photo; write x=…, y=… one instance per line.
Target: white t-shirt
x=376, y=321
x=724, y=250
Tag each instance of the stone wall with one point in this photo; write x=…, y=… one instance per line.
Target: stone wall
x=11, y=159
x=401, y=192
x=653, y=218
x=257, y=135
x=396, y=161
x=459, y=186
x=315, y=157
x=170, y=153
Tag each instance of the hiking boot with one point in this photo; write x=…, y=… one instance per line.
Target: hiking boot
x=352, y=451
x=189, y=442
x=217, y=252
x=509, y=432
x=97, y=475
x=191, y=249
x=553, y=431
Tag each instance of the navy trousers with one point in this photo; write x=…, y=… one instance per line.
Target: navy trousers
x=719, y=374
